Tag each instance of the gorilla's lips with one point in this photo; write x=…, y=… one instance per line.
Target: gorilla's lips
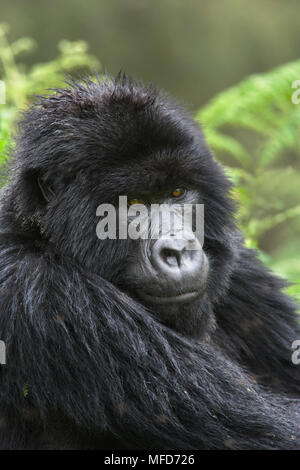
x=180, y=297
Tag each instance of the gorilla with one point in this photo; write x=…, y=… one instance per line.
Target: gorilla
x=121, y=343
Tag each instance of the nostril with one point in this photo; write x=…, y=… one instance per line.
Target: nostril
x=170, y=256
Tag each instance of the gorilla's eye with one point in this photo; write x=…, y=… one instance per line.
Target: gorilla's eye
x=136, y=201
x=178, y=192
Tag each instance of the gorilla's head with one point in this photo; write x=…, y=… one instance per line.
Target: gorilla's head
x=89, y=144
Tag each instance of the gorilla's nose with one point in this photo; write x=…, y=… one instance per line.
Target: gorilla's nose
x=178, y=257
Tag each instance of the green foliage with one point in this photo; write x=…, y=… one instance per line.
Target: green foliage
x=254, y=128
x=26, y=390
x=22, y=83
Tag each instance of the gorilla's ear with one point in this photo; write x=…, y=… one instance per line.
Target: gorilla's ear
x=46, y=188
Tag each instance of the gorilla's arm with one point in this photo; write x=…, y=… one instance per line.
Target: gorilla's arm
x=257, y=324
x=88, y=352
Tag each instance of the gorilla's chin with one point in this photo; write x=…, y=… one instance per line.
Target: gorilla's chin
x=188, y=313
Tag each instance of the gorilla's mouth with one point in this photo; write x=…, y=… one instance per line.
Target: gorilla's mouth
x=182, y=297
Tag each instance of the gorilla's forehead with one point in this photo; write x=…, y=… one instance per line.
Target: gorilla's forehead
x=151, y=173
x=149, y=133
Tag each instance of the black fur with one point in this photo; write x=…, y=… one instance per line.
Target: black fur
x=88, y=365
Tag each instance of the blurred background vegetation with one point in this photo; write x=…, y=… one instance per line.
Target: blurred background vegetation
x=232, y=61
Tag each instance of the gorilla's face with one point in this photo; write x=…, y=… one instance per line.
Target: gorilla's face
x=168, y=268
x=162, y=264
x=168, y=272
